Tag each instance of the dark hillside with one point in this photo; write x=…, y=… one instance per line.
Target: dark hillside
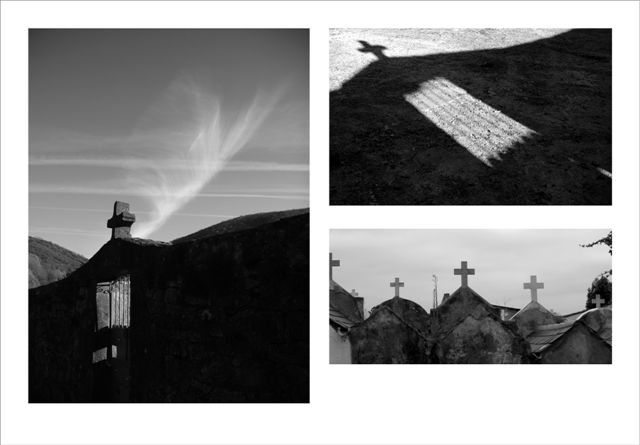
x=49, y=262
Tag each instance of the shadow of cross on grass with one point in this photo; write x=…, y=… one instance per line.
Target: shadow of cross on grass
x=527, y=124
x=376, y=50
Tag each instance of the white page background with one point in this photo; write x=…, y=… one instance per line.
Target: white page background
x=349, y=404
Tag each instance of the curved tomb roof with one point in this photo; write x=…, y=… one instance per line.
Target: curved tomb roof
x=407, y=311
x=531, y=307
x=238, y=224
x=547, y=335
x=462, y=304
x=343, y=308
x=600, y=320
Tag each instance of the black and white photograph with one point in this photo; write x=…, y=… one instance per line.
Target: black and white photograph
x=470, y=296
x=168, y=215
x=174, y=175
x=470, y=116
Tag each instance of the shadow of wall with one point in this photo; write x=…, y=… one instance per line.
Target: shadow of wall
x=384, y=151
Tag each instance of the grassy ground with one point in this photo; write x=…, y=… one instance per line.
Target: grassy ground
x=436, y=117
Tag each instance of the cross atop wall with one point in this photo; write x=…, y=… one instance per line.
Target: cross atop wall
x=121, y=221
x=332, y=263
x=597, y=301
x=397, y=284
x=533, y=285
x=463, y=272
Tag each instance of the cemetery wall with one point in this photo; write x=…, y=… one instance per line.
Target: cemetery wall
x=223, y=318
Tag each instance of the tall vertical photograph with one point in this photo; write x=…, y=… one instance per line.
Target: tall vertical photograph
x=169, y=215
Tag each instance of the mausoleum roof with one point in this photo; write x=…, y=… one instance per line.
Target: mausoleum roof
x=397, y=302
x=146, y=242
x=532, y=306
x=343, y=309
x=573, y=316
x=600, y=320
x=465, y=292
x=545, y=335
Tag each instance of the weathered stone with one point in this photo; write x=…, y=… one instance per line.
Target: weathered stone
x=464, y=272
x=468, y=329
x=533, y=285
x=600, y=320
x=396, y=332
x=533, y=315
x=121, y=221
x=569, y=343
x=396, y=284
x=345, y=311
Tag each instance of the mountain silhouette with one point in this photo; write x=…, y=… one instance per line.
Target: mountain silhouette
x=49, y=262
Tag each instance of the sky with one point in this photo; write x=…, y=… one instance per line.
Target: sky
x=191, y=127
x=503, y=260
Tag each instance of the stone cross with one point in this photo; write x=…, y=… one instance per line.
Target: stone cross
x=121, y=221
x=597, y=301
x=354, y=293
x=463, y=271
x=397, y=284
x=533, y=285
x=332, y=263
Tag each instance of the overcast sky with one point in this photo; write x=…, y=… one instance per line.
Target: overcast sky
x=190, y=127
x=503, y=260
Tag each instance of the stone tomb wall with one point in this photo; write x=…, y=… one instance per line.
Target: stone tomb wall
x=396, y=332
x=224, y=319
x=579, y=345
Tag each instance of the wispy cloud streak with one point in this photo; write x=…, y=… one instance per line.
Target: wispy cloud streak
x=155, y=194
x=178, y=145
x=107, y=211
x=131, y=163
x=188, y=127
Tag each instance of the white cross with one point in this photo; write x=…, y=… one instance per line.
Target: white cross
x=397, y=284
x=354, y=293
x=533, y=285
x=463, y=271
x=597, y=301
x=332, y=263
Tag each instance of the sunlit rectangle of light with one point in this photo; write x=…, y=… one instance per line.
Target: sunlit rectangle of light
x=485, y=132
x=101, y=354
